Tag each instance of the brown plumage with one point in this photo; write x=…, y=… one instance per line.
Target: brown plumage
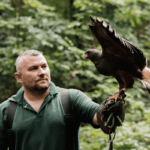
x=119, y=58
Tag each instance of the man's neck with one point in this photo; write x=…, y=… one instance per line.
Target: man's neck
x=37, y=96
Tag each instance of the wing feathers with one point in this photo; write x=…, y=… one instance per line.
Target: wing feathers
x=109, y=39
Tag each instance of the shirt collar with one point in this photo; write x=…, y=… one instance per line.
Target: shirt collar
x=53, y=89
x=18, y=97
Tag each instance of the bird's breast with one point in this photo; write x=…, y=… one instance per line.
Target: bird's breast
x=106, y=67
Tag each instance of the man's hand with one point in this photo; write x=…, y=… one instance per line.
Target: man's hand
x=116, y=108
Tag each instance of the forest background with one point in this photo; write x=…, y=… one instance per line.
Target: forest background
x=60, y=30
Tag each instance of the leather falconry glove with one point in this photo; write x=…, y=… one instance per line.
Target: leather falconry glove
x=110, y=107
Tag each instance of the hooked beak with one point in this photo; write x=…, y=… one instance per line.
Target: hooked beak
x=85, y=56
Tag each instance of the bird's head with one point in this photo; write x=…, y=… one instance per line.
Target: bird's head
x=90, y=53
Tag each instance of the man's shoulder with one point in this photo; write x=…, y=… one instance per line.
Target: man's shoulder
x=77, y=95
x=76, y=92
x=70, y=90
x=14, y=98
x=5, y=104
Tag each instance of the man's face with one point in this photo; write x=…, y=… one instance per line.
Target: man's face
x=35, y=73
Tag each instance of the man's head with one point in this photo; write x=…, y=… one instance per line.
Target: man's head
x=33, y=71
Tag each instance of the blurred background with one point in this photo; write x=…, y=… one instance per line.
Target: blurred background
x=60, y=30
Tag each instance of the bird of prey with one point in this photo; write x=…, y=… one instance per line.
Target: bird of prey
x=119, y=58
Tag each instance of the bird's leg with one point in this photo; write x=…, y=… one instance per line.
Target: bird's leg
x=118, y=95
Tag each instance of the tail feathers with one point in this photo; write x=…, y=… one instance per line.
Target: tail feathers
x=146, y=78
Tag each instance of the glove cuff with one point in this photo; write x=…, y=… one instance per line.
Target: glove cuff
x=101, y=123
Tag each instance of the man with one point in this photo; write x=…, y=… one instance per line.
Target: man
x=39, y=118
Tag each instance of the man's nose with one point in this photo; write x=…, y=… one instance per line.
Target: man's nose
x=41, y=71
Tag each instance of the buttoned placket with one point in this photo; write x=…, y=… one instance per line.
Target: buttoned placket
x=26, y=105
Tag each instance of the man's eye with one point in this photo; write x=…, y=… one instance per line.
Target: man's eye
x=43, y=66
x=33, y=68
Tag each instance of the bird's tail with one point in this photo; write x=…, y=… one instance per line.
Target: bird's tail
x=146, y=78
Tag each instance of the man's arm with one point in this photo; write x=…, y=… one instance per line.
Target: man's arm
x=3, y=116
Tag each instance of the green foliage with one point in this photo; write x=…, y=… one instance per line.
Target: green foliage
x=132, y=135
x=60, y=30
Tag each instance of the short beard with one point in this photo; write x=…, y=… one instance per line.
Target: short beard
x=38, y=90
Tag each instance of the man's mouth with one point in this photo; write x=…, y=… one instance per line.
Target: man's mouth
x=41, y=80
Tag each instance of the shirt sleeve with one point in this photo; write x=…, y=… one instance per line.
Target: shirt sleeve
x=3, y=112
x=82, y=106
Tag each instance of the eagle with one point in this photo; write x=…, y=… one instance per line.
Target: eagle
x=119, y=58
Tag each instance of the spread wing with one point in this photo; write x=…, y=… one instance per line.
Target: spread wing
x=114, y=46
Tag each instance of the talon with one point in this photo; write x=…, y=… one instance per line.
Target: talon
x=116, y=97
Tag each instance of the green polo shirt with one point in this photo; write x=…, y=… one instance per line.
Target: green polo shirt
x=45, y=129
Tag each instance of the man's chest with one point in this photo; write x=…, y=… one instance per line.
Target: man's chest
x=50, y=115
x=37, y=129
x=35, y=104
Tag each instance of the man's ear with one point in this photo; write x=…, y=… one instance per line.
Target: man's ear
x=18, y=77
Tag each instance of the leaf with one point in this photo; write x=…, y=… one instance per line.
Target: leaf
x=4, y=6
